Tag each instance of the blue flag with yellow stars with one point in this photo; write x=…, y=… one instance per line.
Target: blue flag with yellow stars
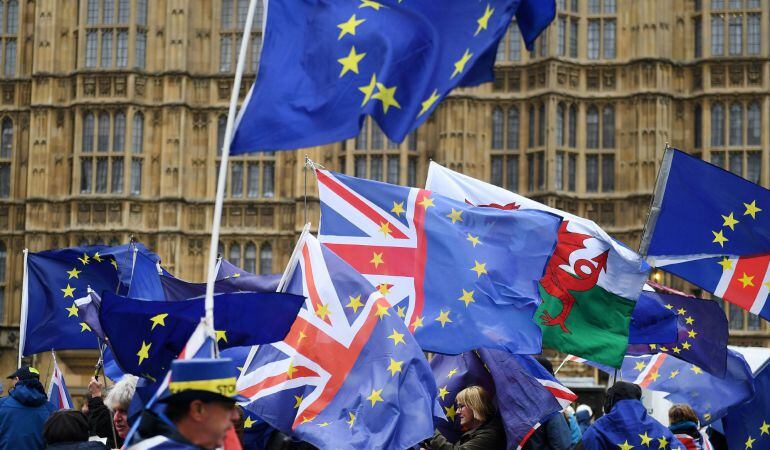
x=628, y=426
x=702, y=332
x=460, y=276
x=230, y=278
x=710, y=396
x=54, y=280
x=146, y=336
x=326, y=65
x=748, y=425
x=712, y=228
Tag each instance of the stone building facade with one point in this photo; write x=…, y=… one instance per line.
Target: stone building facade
x=112, y=113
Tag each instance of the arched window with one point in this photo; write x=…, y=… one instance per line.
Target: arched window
x=592, y=127
x=12, y=17
x=103, y=138
x=119, y=133
x=560, y=124
x=736, y=124
x=497, y=127
x=572, y=126
x=513, y=128
x=221, y=125
x=6, y=138
x=698, y=128
x=235, y=254
x=266, y=259
x=250, y=259
x=541, y=125
x=226, y=19
x=754, y=127
x=531, y=137
x=608, y=127
x=88, y=132
x=717, y=125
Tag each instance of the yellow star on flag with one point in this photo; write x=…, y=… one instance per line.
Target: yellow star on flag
x=375, y=396
x=662, y=442
x=298, y=401
x=397, y=337
x=467, y=297
x=394, y=367
x=84, y=260
x=640, y=366
x=349, y=27
x=417, y=323
x=248, y=423
x=323, y=311
x=114, y=264
x=307, y=419
x=68, y=291
x=681, y=311
x=747, y=280
x=400, y=311
x=719, y=238
x=368, y=90
x=426, y=202
x=325, y=424
x=386, y=95
x=625, y=446
x=473, y=239
x=479, y=268
x=750, y=442
x=398, y=208
x=301, y=336
x=144, y=352
x=443, y=317
x=663, y=349
x=765, y=428
x=371, y=4
x=673, y=374
x=450, y=412
x=376, y=259
x=84, y=327
x=97, y=257
x=692, y=333
x=726, y=264
x=221, y=335
x=73, y=273
x=385, y=229
x=483, y=21
x=751, y=209
x=689, y=320
x=686, y=345
x=382, y=310
x=653, y=346
x=442, y=392
x=729, y=221
x=384, y=289
x=676, y=350
x=158, y=320
x=236, y=275
x=654, y=376
x=460, y=64
x=355, y=303
x=697, y=370
x=451, y=373
x=428, y=103
x=455, y=215
x=72, y=310
x=646, y=439
x=350, y=62
x=669, y=306
x=290, y=371
x=351, y=420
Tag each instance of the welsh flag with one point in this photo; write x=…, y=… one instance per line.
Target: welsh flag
x=591, y=283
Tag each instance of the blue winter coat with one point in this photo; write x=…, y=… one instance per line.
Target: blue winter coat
x=22, y=415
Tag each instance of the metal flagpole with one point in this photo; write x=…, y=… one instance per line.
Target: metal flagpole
x=221, y=181
x=24, y=308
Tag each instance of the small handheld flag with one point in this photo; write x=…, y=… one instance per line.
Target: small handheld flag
x=58, y=394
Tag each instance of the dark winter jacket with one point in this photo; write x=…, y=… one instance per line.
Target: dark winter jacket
x=100, y=421
x=160, y=432
x=552, y=435
x=89, y=445
x=489, y=436
x=22, y=415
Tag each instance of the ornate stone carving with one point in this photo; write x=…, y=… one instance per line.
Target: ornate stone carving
x=89, y=87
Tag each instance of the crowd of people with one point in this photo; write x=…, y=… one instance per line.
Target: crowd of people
x=201, y=412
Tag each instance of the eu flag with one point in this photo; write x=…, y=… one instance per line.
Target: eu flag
x=461, y=277
x=702, y=332
x=325, y=65
x=712, y=228
x=146, y=336
x=348, y=375
x=54, y=280
x=748, y=425
x=651, y=322
x=629, y=426
x=230, y=278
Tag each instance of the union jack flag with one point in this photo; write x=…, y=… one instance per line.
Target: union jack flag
x=348, y=364
x=446, y=267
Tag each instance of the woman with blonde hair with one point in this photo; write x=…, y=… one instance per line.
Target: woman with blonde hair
x=684, y=424
x=478, y=421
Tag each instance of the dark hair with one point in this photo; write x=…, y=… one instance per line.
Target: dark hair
x=622, y=390
x=177, y=409
x=546, y=363
x=178, y=406
x=682, y=413
x=68, y=425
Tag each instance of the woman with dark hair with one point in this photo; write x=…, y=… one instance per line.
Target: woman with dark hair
x=68, y=430
x=684, y=424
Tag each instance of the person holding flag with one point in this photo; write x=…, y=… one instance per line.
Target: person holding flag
x=24, y=411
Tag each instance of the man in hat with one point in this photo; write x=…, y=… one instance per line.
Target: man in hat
x=24, y=411
x=199, y=407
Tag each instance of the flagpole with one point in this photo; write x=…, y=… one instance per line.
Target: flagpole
x=221, y=180
x=656, y=201
x=24, y=307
